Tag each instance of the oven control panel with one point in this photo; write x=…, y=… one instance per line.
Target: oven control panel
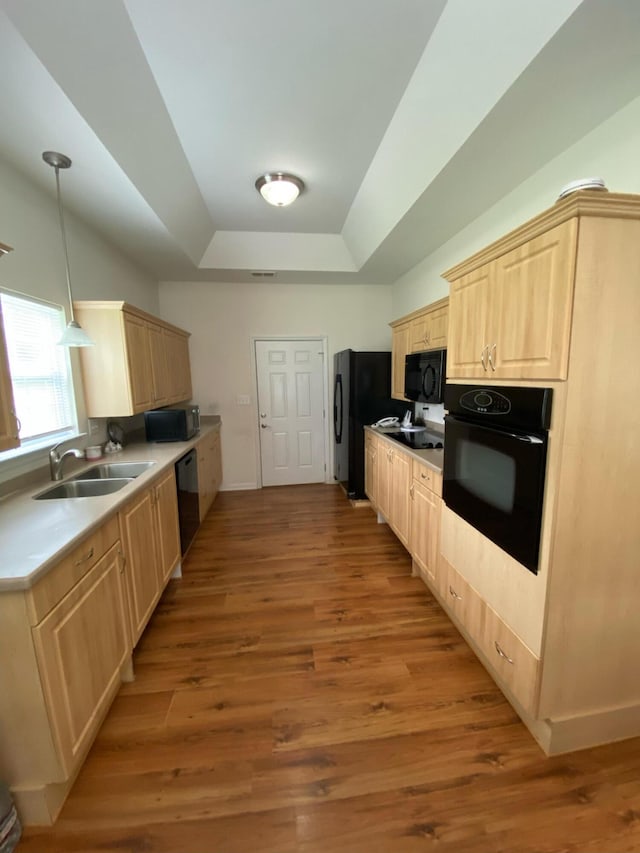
x=485, y=401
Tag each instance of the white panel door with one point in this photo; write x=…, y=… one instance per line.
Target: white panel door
x=290, y=408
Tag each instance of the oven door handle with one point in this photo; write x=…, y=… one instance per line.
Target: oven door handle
x=530, y=439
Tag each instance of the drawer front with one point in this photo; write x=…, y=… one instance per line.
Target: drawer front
x=514, y=664
x=509, y=660
x=427, y=477
x=52, y=588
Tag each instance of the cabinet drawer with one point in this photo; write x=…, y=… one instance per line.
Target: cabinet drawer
x=52, y=588
x=427, y=477
x=464, y=603
x=514, y=664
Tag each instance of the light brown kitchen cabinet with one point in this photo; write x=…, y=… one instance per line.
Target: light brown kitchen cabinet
x=138, y=362
x=9, y=434
x=561, y=302
x=422, y=330
x=81, y=647
x=8, y=423
x=511, y=318
x=399, y=350
x=69, y=648
x=426, y=488
x=151, y=543
x=371, y=445
x=399, y=514
x=390, y=468
x=209, y=454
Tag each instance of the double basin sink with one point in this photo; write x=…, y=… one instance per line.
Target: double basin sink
x=98, y=480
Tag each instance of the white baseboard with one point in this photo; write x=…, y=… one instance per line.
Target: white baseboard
x=238, y=487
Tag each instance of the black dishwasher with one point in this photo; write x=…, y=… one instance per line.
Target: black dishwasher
x=188, y=501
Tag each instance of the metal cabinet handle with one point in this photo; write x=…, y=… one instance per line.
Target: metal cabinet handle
x=484, y=364
x=84, y=559
x=454, y=594
x=123, y=560
x=491, y=359
x=501, y=653
x=18, y=423
x=411, y=492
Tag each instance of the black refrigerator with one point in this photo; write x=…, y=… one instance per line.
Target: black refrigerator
x=361, y=395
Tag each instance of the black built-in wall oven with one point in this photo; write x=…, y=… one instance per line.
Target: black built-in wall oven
x=494, y=463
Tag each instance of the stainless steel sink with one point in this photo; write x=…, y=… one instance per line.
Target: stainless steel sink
x=111, y=470
x=83, y=489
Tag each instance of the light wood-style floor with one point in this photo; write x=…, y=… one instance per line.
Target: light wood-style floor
x=299, y=692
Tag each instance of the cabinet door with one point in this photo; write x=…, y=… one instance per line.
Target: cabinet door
x=139, y=362
x=400, y=496
x=530, y=321
x=159, y=359
x=81, y=646
x=383, y=460
x=437, y=329
x=425, y=526
x=168, y=529
x=179, y=371
x=419, y=334
x=138, y=529
x=468, y=311
x=399, y=350
x=8, y=425
x=216, y=464
x=370, y=469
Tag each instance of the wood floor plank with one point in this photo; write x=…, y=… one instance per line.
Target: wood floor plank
x=297, y=691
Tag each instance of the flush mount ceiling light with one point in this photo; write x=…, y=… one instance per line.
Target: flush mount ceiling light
x=74, y=335
x=279, y=188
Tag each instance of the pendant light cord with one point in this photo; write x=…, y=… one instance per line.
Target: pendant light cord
x=64, y=242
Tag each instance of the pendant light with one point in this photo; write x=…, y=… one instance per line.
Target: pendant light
x=74, y=335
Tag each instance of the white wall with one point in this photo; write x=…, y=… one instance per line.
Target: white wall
x=29, y=223
x=223, y=318
x=610, y=151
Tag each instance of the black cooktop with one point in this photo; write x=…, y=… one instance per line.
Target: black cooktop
x=424, y=440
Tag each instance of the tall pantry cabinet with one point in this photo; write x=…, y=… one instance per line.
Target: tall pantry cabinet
x=556, y=303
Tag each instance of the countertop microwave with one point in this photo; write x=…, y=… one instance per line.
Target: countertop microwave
x=179, y=423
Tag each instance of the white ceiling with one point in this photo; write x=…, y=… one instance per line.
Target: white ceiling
x=405, y=119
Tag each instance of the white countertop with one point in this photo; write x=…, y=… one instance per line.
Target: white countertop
x=34, y=535
x=433, y=458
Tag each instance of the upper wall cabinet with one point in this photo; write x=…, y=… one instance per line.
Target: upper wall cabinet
x=425, y=329
x=138, y=362
x=8, y=423
x=510, y=318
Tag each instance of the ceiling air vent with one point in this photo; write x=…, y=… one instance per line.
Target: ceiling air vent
x=263, y=274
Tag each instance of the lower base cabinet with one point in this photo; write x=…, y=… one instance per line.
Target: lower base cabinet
x=66, y=649
x=209, y=453
x=81, y=647
x=426, y=503
x=151, y=539
x=67, y=645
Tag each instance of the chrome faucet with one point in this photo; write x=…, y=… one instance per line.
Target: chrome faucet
x=56, y=459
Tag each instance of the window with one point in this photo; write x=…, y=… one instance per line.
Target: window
x=40, y=369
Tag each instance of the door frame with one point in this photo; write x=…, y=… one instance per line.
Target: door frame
x=324, y=340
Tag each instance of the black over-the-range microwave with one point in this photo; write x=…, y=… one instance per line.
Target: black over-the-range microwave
x=175, y=424
x=424, y=376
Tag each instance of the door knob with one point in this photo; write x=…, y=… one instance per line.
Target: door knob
x=265, y=426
